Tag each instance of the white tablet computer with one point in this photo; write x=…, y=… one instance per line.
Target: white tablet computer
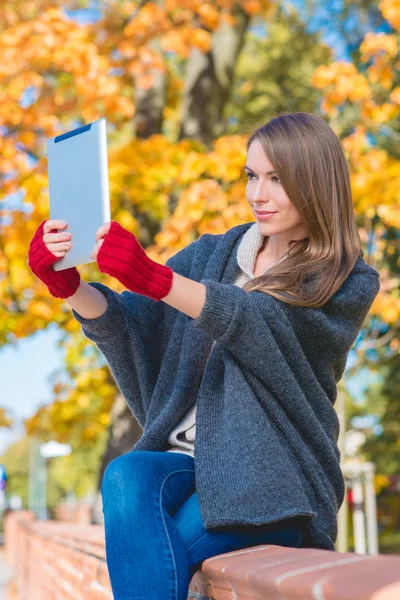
x=78, y=188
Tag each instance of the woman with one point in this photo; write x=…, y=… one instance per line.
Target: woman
x=234, y=347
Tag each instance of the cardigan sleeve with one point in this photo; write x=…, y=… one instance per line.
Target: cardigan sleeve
x=260, y=330
x=139, y=311
x=122, y=307
x=236, y=320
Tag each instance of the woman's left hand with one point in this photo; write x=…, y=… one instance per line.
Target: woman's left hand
x=119, y=254
x=100, y=234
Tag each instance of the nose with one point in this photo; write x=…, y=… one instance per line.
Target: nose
x=260, y=191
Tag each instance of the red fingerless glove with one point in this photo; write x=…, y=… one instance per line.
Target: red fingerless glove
x=122, y=256
x=61, y=284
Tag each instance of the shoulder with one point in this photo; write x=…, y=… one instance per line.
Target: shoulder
x=360, y=287
x=363, y=268
x=348, y=306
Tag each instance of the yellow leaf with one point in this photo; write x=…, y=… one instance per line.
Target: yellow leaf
x=105, y=419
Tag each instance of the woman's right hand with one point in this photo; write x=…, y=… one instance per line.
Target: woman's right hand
x=57, y=243
x=46, y=248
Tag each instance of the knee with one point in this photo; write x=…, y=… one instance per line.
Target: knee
x=122, y=480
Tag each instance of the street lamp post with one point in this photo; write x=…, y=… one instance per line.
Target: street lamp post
x=34, y=466
x=38, y=473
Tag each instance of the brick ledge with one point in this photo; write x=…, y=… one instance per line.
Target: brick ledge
x=260, y=573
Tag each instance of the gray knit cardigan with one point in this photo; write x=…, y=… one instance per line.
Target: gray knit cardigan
x=266, y=430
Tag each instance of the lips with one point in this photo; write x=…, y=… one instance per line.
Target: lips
x=266, y=212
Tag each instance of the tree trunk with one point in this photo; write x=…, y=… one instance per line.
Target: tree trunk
x=124, y=432
x=149, y=103
x=209, y=80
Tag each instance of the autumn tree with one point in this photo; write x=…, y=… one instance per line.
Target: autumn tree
x=179, y=87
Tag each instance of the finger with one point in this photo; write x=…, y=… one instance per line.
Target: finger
x=96, y=249
x=53, y=224
x=94, y=253
x=64, y=247
x=51, y=238
x=102, y=231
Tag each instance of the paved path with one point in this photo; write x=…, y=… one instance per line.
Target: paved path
x=5, y=576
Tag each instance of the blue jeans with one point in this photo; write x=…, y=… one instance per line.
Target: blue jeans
x=155, y=537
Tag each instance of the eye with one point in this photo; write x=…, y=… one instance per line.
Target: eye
x=276, y=179
x=250, y=175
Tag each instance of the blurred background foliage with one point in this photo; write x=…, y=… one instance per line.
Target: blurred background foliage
x=182, y=84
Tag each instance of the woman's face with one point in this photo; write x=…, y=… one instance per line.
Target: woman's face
x=265, y=192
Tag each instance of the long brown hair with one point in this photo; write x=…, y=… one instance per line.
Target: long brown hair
x=309, y=160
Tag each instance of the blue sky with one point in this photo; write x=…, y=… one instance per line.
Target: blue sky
x=24, y=369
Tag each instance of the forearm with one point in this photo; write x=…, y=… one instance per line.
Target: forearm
x=187, y=296
x=88, y=302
